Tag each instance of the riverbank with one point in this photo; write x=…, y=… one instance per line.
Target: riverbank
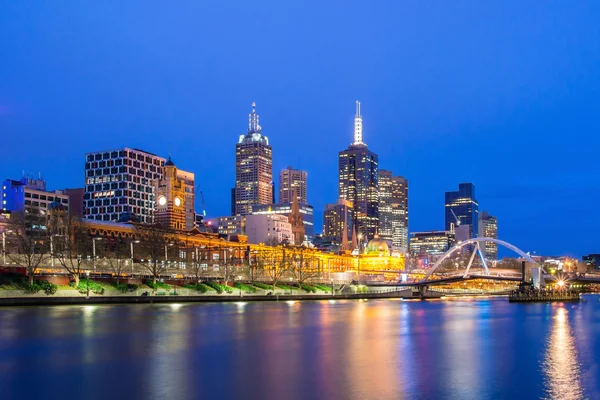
x=62, y=300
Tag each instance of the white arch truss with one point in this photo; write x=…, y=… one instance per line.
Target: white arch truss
x=477, y=242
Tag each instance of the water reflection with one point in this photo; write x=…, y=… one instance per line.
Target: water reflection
x=560, y=365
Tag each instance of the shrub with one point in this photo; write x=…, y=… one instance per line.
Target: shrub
x=309, y=289
x=94, y=287
x=215, y=286
x=48, y=287
x=33, y=288
x=285, y=287
x=323, y=288
x=245, y=288
x=157, y=285
x=125, y=287
x=263, y=286
x=200, y=287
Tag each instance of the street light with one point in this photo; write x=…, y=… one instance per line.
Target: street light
x=332, y=291
x=291, y=287
x=239, y=278
x=360, y=237
x=87, y=282
x=131, y=248
x=94, y=251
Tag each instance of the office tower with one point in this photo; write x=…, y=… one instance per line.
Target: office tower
x=338, y=223
x=306, y=211
x=292, y=181
x=175, y=198
x=488, y=227
x=253, y=168
x=393, y=209
x=27, y=193
x=120, y=185
x=358, y=181
x=432, y=244
x=461, y=208
x=269, y=229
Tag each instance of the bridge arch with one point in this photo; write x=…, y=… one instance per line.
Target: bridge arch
x=477, y=250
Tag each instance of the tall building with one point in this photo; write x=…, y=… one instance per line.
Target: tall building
x=358, y=181
x=229, y=225
x=306, y=211
x=488, y=227
x=175, y=198
x=120, y=184
x=393, y=210
x=432, y=243
x=338, y=223
x=269, y=229
x=461, y=208
x=253, y=168
x=30, y=193
x=292, y=182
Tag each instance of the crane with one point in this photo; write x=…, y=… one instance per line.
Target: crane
x=203, y=207
x=456, y=218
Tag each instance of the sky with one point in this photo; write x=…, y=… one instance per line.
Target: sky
x=503, y=94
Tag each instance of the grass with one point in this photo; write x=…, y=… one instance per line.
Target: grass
x=220, y=288
x=157, y=285
x=323, y=288
x=245, y=288
x=200, y=287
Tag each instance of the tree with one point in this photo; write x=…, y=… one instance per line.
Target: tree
x=278, y=267
x=73, y=247
x=200, y=265
x=155, y=239
x=228, y=266
x=27, y=240
x=302, y=268
x=255, y=267
x=116, y=256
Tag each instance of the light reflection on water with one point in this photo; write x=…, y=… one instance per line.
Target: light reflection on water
x=560, y=364
x=380, y=349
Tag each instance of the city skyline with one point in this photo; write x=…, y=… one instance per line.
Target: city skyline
x=484, y=119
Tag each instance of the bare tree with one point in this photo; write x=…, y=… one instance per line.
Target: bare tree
x=200, y=265
x=302, y=267
x=116, y=256
x=74, y=247
x=27, y=240
x=278, y=266
x=155, y=240
x=254, y=268
x=228, y=266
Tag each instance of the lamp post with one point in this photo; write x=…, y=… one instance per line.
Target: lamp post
x=4, y=246
x=291, y=287
x=87, y=284
x=239, y=279
x=94, y=251
x=360, y=237
x=332, y=291
x=131, y=249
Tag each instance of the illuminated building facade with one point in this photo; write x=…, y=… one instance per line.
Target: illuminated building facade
x=29, y=193
x=306, y=211
x=358, y=181
x=271, y=229
x=393, y=210
x=338, y=222
x=120, y=184
x=253, y=168
x=230, y=225
x=431, y=244
x=292, y=182
x=461, y=208
x=175, y=198
x=488, y=227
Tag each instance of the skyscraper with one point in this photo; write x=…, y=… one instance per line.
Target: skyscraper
x=358, y=181
x=461, y=208
x=337, y=223
x=488, y=227
x=253, y=168
x=393, y=209
x=120, y=184
x=292, y=181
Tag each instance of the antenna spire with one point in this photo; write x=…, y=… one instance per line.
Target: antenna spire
x=253, y=126
x=358, y=127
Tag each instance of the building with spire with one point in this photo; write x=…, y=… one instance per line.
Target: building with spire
x=358, y=181
x=295, y=219
x=253, y=168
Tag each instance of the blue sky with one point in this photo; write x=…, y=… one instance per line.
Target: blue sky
x=503, y=94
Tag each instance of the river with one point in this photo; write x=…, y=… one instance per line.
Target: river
x=338, y=349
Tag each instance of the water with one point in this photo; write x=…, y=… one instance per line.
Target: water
x=377, y=349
